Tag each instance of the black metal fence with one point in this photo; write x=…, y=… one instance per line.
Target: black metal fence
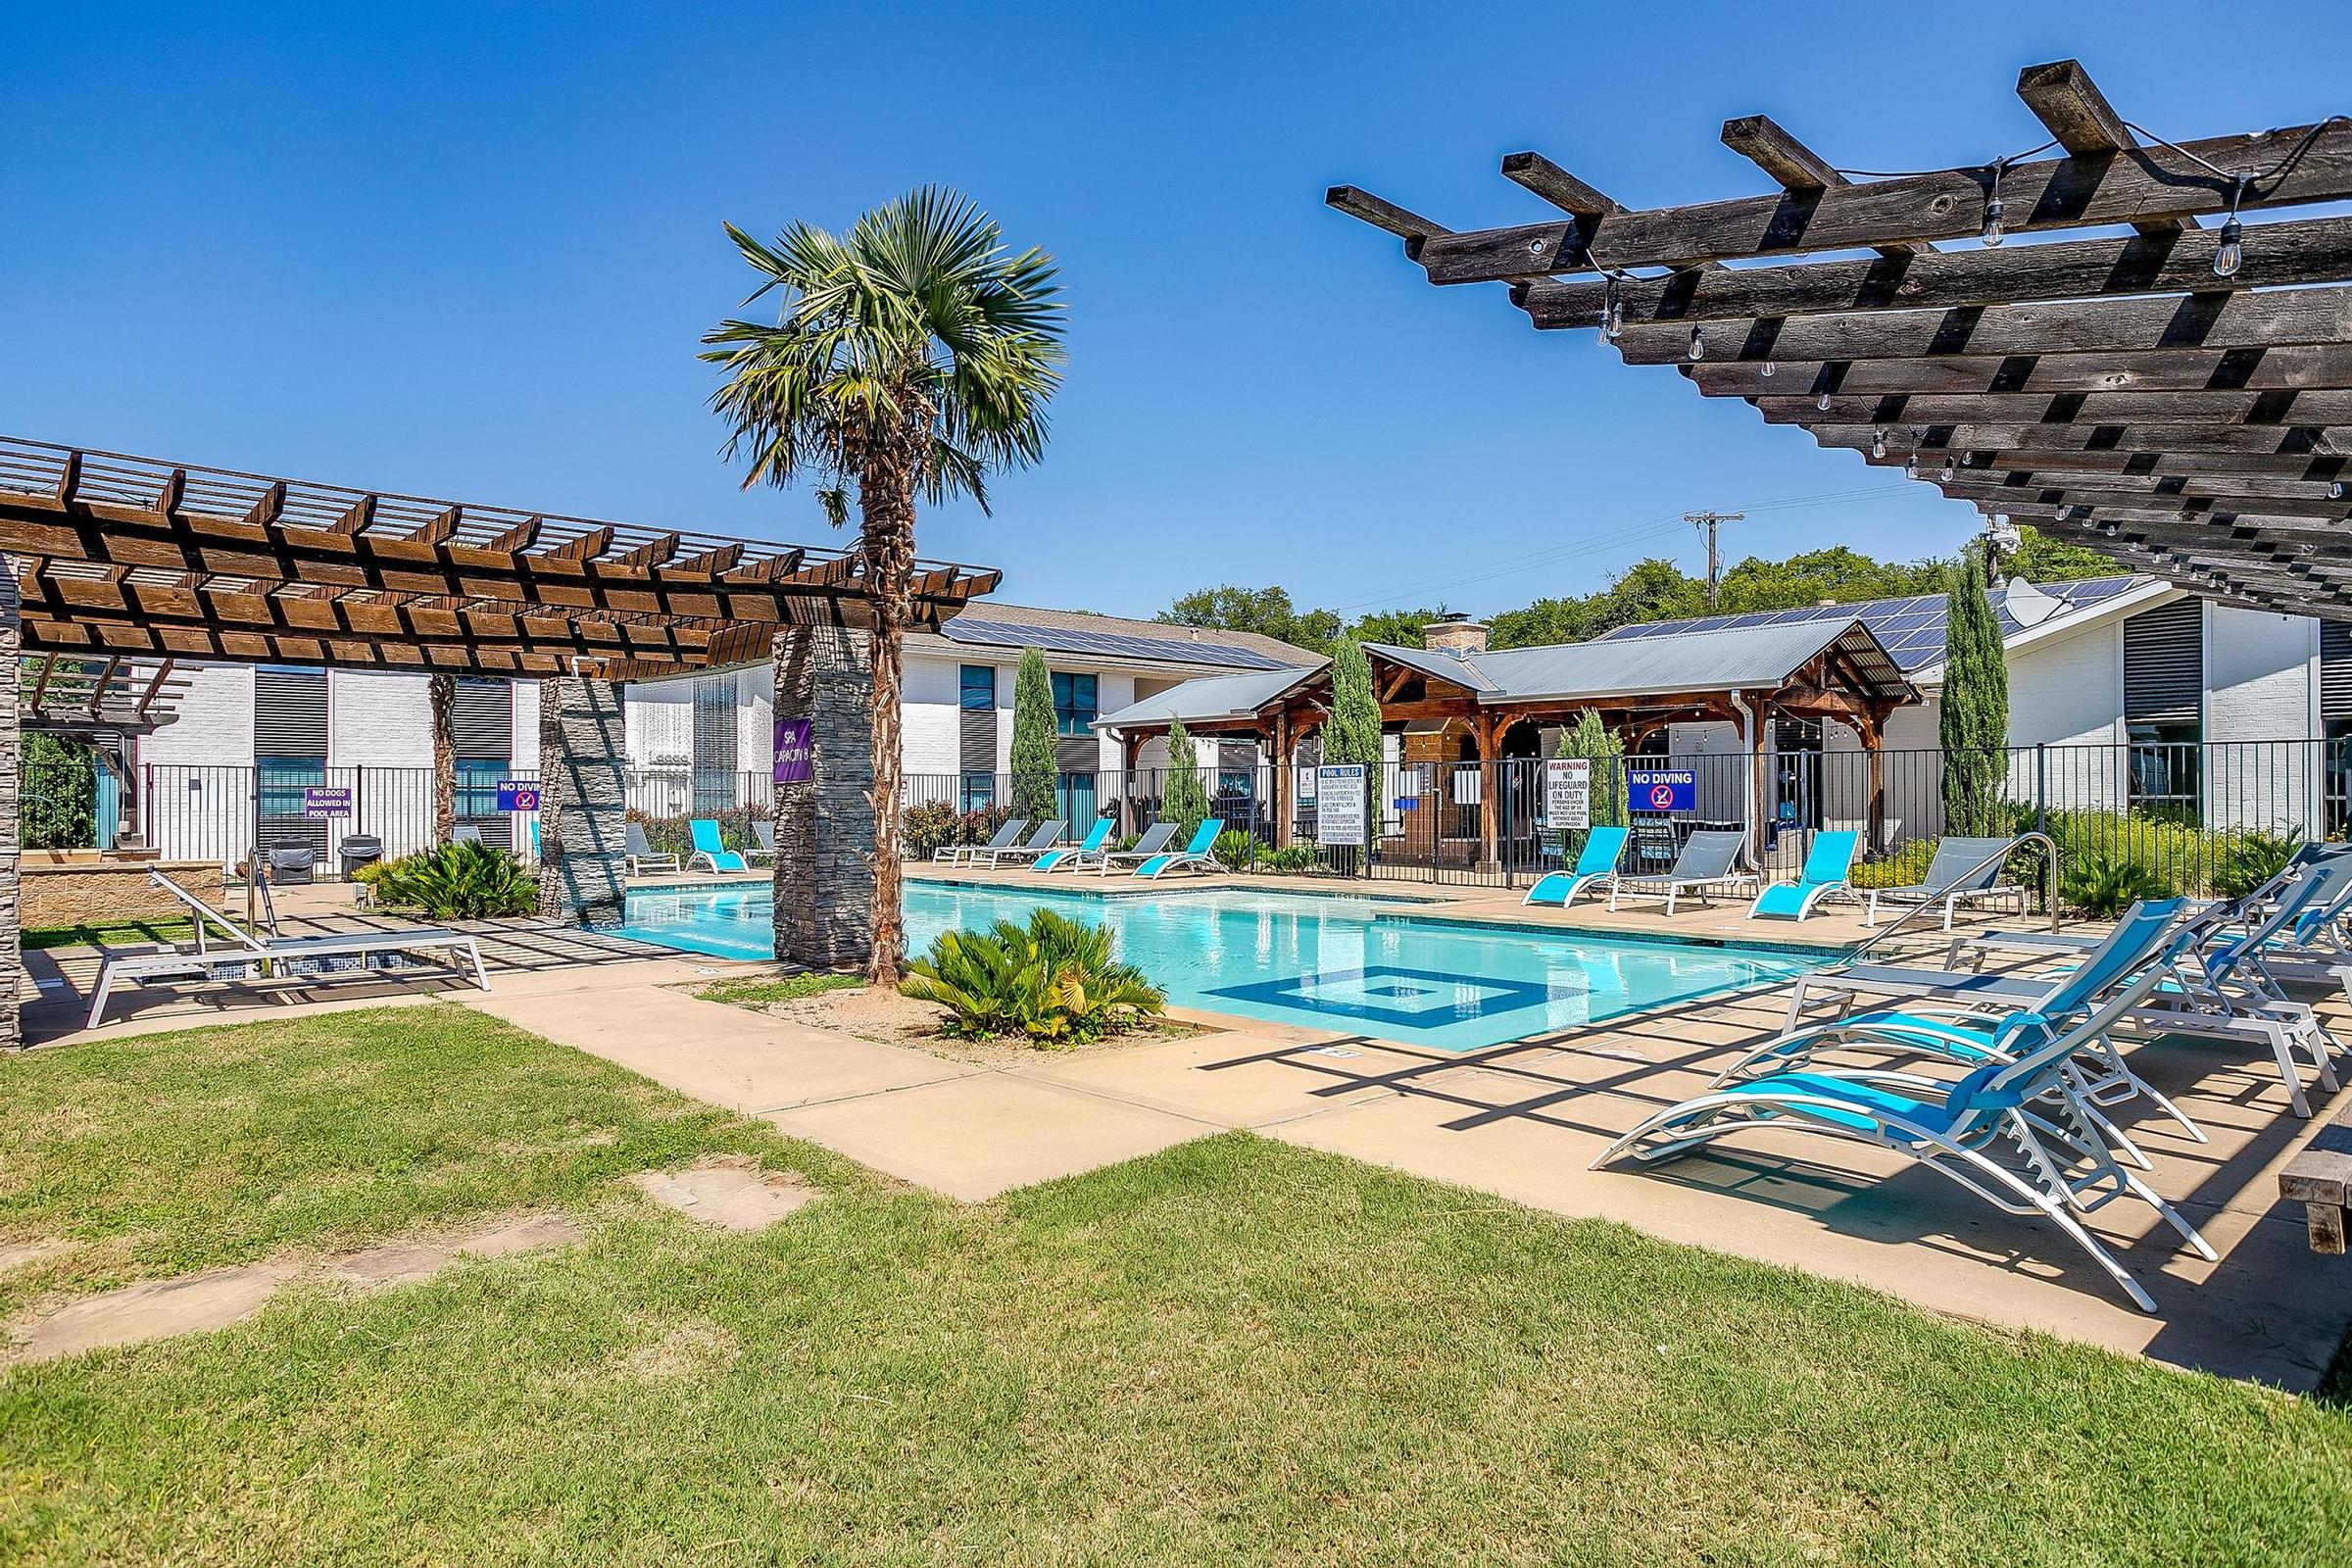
x=2184, y=810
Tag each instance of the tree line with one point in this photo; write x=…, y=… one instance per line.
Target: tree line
x=1650, y=590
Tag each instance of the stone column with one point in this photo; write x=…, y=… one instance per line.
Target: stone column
x=12, y=958
x=583, y=849
x=825, y=826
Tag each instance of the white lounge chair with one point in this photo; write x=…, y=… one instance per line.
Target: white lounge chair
x=1008, y=833
x=249, y=957
x=1153, y=844
x=640, y=856
x=1963, y=871
x=1707, y=866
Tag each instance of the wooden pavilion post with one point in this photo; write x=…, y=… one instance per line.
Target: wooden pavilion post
x=1131, y=748
x=1285, y=777
x=1874, y=748
x=1485, y=732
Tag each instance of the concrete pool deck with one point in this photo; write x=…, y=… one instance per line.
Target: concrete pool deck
x=1519, y=1120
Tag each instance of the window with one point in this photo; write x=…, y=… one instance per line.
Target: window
x=980, y=689
x=477, y=784
x=1074, y=703
x=979, y=791
x=2166, y=767
x=281, y=780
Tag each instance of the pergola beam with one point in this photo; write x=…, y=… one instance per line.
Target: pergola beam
x=2071, y=107
x=2135, y=186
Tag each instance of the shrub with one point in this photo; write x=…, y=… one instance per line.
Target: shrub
x=58, y=805
x=929, y=828
x=457, y=882
x=1235, y=849
x=1905, y=867
x=1289, y=859
x=1052, y=982
x=2250, y=859
x=2104, y=885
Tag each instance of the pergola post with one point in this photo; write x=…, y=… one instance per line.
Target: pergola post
x=12, y=958
x=583, y=851
x=824, y=879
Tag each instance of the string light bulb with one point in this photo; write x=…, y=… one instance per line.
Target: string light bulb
x=1991, y=233
x=2229, y=253
x=1822, y=402
x=1699, y=344
x=1947, y=470
x=1878, y=441
x=2335, y=490
x=1770, y=369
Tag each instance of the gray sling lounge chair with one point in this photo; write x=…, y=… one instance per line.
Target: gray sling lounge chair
x=1964, y=871
x=1708, y=865
x=247, y=957
x=639, y=853
x=1007, y=834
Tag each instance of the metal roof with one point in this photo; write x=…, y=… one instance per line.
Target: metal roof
x=1723, y=659
x=1205, y=647
x=1912, y=630
x=1209, y=699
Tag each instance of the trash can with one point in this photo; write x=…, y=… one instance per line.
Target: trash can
x=292, y=863
x=360, y=849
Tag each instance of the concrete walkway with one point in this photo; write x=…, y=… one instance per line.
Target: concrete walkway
x=1522, y=1122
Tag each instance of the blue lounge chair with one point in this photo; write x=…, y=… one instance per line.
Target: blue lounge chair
x=1825, y=871
x=1154, y=842
x=1194, y=857
x=1076, y=859
x=1595, y=863
x=2013, y=1131
x=709, y=851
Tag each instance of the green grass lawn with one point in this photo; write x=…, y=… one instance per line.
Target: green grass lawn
x=780, y=988
x=112, y=934
x=1231, y=1351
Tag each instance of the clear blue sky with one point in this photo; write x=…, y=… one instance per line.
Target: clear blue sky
x=466, y=250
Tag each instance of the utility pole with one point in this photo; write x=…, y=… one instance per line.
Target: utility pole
x=1708, y=521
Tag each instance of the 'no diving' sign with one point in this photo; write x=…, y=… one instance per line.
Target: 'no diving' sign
x=1664, y=789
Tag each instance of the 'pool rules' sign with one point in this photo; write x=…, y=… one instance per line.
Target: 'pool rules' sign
x=1340, y=796
x=1568, y=792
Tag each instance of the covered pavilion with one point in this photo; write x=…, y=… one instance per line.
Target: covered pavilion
x=118, y=566
x=1460, y=702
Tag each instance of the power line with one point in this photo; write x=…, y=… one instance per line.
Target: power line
x=1598, y=544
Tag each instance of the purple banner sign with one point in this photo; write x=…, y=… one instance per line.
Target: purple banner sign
x=796, y=752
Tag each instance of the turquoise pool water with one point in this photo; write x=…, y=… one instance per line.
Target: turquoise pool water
x=1357, y=965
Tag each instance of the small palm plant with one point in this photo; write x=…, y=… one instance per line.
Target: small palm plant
x=913, y=357
x=460, y=881
x=1052, y=981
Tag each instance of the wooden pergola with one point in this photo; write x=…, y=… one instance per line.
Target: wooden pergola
x=113, y=568
x=2180, y=394
x=134, y=558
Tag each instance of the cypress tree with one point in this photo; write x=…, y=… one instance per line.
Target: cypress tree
x=1591, y=739
x=1352, y=732
x=1184, y=800
x=1973, y=721
x=1036, y=775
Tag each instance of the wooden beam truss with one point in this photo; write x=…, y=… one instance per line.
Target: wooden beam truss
x=2178, y=396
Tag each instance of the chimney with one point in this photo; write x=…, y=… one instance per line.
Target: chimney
x=1455, y=634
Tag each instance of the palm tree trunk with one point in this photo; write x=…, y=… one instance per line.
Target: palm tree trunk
x=886, y=501
x=441, y=696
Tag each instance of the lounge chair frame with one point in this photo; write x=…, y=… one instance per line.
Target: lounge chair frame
x=1596, y=864
x=248, y=957
x=1674, y=883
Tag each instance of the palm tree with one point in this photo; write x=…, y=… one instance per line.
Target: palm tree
x=913, y=357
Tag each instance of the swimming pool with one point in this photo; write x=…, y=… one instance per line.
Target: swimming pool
x=1363, y=965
